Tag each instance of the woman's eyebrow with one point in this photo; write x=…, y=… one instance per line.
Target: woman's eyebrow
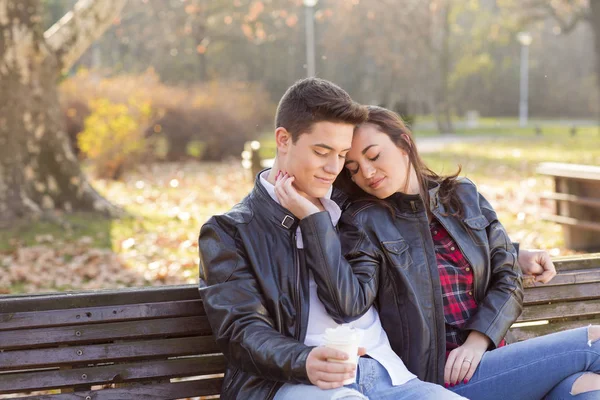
x=367, y=148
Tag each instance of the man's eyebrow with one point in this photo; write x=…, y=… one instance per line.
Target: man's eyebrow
x=328, y=147
x=367, y=148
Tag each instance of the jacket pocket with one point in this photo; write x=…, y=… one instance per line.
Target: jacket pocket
x=475, y=227
x=397, y=253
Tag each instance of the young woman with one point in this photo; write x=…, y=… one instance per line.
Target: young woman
x=449, y=285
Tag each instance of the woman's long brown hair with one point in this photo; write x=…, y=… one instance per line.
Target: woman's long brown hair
x=391, y=124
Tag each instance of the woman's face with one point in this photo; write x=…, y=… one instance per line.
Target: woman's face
x=377, y=165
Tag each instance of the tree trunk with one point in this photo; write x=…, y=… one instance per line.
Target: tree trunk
x=38, y=171
x=594, y=17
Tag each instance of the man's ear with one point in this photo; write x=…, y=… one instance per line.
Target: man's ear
x=283, y=140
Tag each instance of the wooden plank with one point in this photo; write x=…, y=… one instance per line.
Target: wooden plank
x=577, y=262
x=571, y=198
x=559, y=219
x=574, y=171
x=566, y=278
x=560, y=311
x=114, y=313
x=103, y=353
x=562, y=293
x=530, y=332
x=117, y=373
x=110, y=297
x=103, y=333
x=160, y=391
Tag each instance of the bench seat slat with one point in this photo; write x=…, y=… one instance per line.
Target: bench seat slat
x=544, y=294
x=102, y=333
x=126, y=351
x=530, y=332
x=160, y=391
x=127, y=312
x=106, y=374
x=560, y=310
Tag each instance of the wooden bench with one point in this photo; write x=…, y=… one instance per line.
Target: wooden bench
x=577, y=197
x=136, y=341
x=145, y=342
x=570, y=300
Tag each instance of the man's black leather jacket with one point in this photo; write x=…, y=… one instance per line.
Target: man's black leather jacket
x=255, y=290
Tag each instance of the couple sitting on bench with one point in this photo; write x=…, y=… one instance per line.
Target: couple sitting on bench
x=351, y=228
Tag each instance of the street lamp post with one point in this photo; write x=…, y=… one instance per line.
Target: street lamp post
x=309, y=6
x=525, y=40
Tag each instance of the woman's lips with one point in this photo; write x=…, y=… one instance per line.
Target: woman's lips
x=376, y=183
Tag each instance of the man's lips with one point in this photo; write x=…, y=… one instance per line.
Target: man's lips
x=325, y=180
x=376, y=183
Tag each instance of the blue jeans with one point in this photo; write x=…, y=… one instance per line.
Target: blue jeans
x=541, y=368
x=372, y=382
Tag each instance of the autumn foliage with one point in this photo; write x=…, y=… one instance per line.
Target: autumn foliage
x=137, y=115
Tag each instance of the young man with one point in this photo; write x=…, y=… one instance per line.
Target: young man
x=272, y=283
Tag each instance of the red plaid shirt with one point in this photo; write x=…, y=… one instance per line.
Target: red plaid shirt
x=456, y=278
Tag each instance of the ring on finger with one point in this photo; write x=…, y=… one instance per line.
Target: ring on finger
x=469, y=361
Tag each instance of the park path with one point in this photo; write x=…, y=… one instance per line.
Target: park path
x=431, y=144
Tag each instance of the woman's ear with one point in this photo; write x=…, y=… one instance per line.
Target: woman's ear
x=407, y=139
x=283, y=140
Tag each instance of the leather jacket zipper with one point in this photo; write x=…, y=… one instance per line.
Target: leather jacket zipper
x=271, y=394
x=297, y=294
x=435, y=321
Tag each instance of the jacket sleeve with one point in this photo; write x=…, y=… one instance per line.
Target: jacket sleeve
x=236, y=310
x=347, y=288
x=503, y=301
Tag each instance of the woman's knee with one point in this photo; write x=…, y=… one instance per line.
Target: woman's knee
x=593, y=334
x=587, y=382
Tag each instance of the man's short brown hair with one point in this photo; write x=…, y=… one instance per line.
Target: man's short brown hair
x=313, y=100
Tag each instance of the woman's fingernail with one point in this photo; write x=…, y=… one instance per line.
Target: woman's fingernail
x=446, y=385
x=452, y=385
x=466, y=381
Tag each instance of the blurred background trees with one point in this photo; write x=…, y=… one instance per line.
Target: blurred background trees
x=438, y=57
x=208, y=73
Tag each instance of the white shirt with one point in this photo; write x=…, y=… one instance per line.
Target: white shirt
x=374, y=338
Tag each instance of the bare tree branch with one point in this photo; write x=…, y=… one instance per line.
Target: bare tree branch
x=79, y=28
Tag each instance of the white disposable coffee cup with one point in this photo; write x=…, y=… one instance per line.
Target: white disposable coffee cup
x=347, y=340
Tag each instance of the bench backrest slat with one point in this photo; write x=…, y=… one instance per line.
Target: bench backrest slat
x=560, y=310
x=113, y=352
x=104, y=333
x=120, y=312
x=579, y=292
x=160, y=391
x=106, y=374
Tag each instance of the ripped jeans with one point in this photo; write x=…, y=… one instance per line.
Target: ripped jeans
x=545, y=367
x=373, y=383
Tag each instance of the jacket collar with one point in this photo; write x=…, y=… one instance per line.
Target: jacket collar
x=269, y=208
x=414, y=203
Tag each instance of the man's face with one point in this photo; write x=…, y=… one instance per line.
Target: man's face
x=316, y=159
